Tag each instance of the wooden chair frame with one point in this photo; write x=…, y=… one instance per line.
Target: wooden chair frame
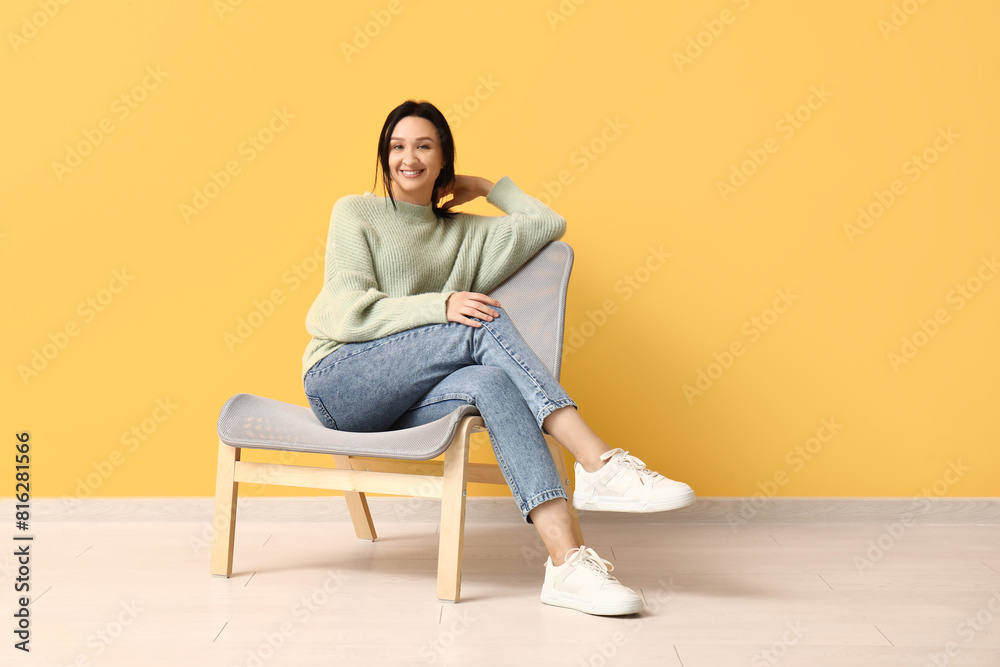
x=356, y=476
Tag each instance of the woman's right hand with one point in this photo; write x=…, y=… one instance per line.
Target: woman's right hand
x=462, y=306
x=463, y=189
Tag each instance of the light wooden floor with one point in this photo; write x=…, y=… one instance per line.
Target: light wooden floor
x=125, y=589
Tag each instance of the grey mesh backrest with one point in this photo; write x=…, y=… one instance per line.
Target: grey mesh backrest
x=535, y=299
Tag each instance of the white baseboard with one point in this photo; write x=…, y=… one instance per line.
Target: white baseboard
x=502, y=509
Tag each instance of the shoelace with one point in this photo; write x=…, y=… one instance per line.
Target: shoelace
x=588, y=558
x=640, y=467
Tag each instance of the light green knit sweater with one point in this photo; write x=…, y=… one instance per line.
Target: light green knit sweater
x=391, y=270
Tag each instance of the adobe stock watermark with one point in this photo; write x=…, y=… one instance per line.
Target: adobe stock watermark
x=789, y=123
x=263, y=309
x=88, y=309
x=562, y=12
x=927, y=329
x=627, y=286
x=34, y=22
x=121, y=108
x=406, y=506
x=460, y=112
x=225, y=7
x=365, y=33
x=797, y=457
x=581, y=158
x=697, y=43
x=606, y=652
x=895, y=531
x=772, y=655
x=201, y=543
x=752, y=329
x=132, y=440
x=248, y=149
x=100, y=640
x=967, y=629
x=433, y=650
x=301, y=612
x=898, y=17
x=914, y=167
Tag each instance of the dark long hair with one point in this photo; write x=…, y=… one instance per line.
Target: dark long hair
x=427, y=111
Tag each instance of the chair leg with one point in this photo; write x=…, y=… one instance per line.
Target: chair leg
x=456, y=472
x=357, y=505
x=224, y=519
x=557, y=458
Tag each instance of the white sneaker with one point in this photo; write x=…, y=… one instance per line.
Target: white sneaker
x=625, y=484
x=584, y=583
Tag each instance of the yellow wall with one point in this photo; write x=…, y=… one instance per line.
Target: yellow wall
x=739, y=137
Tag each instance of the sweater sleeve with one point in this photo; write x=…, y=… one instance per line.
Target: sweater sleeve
x=513, y=239
x=351, y=308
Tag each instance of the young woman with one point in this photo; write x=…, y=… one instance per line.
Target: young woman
x=403, y=332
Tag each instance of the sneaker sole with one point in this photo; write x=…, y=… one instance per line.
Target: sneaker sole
x=589, y=606
x=613, y=504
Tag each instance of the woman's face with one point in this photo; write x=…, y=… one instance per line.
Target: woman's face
x=415, y=160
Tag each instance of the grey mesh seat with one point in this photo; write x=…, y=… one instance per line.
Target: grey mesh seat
x=393, y=462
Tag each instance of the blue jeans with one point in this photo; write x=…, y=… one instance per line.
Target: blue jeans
x=423, y=374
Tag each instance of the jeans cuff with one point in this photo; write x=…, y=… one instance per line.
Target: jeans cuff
x=551, y=407
x=543, y=497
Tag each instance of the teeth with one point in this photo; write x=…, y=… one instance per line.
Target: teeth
x=411, y=173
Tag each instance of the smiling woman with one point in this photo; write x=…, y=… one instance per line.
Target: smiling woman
x=404, y=332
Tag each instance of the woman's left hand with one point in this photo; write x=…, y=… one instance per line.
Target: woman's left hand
x=463, y=189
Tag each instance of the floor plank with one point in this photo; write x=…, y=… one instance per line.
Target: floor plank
x=127, y=592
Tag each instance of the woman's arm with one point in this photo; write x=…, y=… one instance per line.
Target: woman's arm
x=513, y=239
